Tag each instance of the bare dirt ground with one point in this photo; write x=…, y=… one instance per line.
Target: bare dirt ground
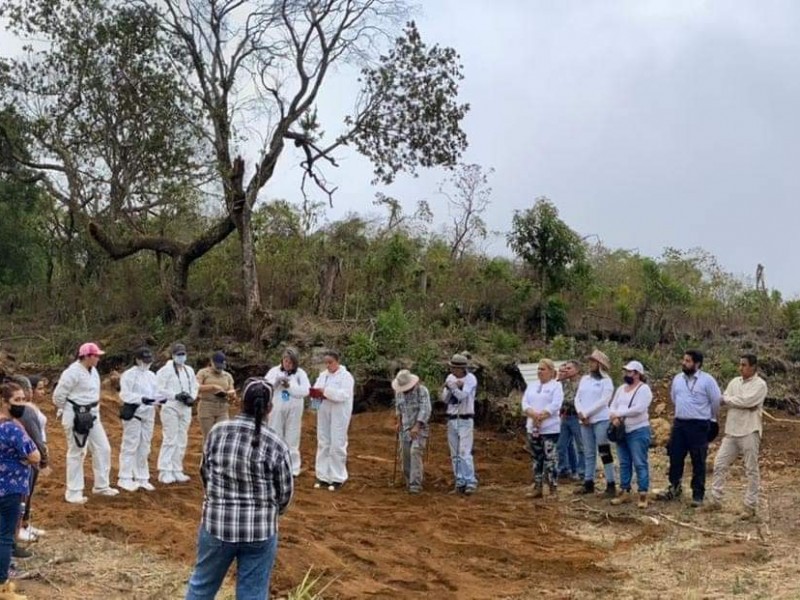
x=374, y=541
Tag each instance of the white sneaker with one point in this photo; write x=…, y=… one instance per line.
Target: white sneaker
x=166, y=477
x=182, y=477
x=36, y=531
x=146, y=486
x=129, y=485
x=109, y=491
x=76, y=499
x=26, y=534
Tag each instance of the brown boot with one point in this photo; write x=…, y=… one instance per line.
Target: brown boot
x=642, y=500
x=624, y=497
x=537, y=491
x=8, y=592
x=554, y=490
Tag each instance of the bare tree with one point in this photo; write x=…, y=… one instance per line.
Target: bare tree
x=468, y=195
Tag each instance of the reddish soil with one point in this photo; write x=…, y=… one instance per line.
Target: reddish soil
x=375, y=540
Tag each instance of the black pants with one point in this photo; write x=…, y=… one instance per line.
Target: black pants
x=34, y=478
x=689, y=436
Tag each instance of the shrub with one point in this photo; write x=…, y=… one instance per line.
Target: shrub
x=793, y=344
x=504, y=342
x=393, y=330
x=361, y=349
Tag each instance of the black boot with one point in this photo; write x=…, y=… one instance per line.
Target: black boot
x=671, y=493
x=611, y=490
x=587, y=488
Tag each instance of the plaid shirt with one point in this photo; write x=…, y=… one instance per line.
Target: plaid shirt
x=246, y=488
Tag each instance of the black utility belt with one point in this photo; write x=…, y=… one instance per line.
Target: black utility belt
x=463, y=417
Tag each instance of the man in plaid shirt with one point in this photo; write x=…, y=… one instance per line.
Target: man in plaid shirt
x=247, y=476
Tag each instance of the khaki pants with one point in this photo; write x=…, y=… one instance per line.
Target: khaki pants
x=729, y=451
x=211, y=412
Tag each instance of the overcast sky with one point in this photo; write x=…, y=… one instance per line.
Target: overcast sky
x=649, y=123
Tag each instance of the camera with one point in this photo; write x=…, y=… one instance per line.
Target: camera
x=185, y=398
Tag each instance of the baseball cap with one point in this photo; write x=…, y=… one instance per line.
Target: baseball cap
x=89, y=349
x=144, y=353
x=634, y=365
x=218, y=358
x=178, y=348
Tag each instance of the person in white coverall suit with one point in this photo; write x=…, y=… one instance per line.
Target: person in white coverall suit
x=176, y=381
x=334, y=387
x=139, y=393
x=291, y=386
x=78, y=391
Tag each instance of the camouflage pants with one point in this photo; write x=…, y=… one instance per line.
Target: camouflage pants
x=412, y=459
x=545, y=458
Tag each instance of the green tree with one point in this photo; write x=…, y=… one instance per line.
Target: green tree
x=553, y=251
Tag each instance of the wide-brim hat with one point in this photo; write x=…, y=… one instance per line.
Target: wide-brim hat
x=404, y=381
x=459, y=361
x=601, y=358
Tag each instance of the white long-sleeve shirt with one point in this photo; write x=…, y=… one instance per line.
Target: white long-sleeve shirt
x=465, y=395
x=744, y=399
x=172, y=381
x=593, y=397
x=79, y=384
x=299, y=383
x=633, y=406
x=136, y=384
x=544, y=397
x=337, y=387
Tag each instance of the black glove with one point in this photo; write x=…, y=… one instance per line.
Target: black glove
x=148, y=401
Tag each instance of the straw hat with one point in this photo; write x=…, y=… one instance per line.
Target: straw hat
x=601, y=358
x=404, y=381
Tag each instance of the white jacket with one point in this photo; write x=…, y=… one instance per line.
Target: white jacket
x=337, y=387
x=136, y=384
x=79, y=384
x=172, y=381
x=544, y=397
x=593, y=397
x=299, y=383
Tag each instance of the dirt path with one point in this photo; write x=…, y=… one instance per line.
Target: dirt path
x=378, y=542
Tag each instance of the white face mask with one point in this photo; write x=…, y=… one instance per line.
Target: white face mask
x=179, y=359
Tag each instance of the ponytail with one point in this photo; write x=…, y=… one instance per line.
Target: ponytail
x=256, y=402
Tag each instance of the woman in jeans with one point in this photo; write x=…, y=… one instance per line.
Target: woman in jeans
x=17, y=454
x=630, y=408
x=542, y=405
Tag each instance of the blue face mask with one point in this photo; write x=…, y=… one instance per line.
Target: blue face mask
x=180, y=359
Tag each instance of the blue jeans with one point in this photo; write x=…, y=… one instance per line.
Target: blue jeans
x=595, y=437
x=570, y=447
x=460, y=433
x=9, y=515
x=632, y=454
x=254, y=561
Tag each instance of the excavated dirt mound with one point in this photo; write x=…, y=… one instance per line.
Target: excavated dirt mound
x=375, y=540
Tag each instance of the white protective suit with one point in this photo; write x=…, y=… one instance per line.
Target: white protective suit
x=286, y=417
x=176, y=418
x=333, y=419
x=82, y=386
x=137, y=433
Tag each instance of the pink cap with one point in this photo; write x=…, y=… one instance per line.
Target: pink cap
x=89, y=349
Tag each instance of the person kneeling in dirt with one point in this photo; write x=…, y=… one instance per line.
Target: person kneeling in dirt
x=541, y=403
x=413, y=411
x=247, y=476
x=744, y=398
x=139, y=393
x=176, y=381
x=335, y=387
x=459, y=395
x=77, y=394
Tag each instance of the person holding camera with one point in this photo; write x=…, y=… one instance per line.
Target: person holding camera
x=459, y=395
x=176, y=381
x=139, y=394
x=215, y=386
x=291, y=385
x=77, y=395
